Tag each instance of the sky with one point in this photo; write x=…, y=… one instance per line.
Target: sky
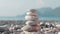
x=19, y=7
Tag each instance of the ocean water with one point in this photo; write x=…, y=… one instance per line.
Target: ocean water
x=49, y=18
x=22, y=18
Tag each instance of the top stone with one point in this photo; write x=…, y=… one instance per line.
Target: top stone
x=32, y=12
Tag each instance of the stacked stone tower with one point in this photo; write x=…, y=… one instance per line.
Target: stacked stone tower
x=31, y=21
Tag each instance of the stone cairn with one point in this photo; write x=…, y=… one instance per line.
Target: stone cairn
x=32, y=22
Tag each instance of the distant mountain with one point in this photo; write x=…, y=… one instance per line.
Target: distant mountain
x=56, y=11
x=48, y=12
x=45, y=12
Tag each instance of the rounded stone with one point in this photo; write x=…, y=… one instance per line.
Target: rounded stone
x=30, y=13
x=31, y=17
x=26, y=28
x=31, y=23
